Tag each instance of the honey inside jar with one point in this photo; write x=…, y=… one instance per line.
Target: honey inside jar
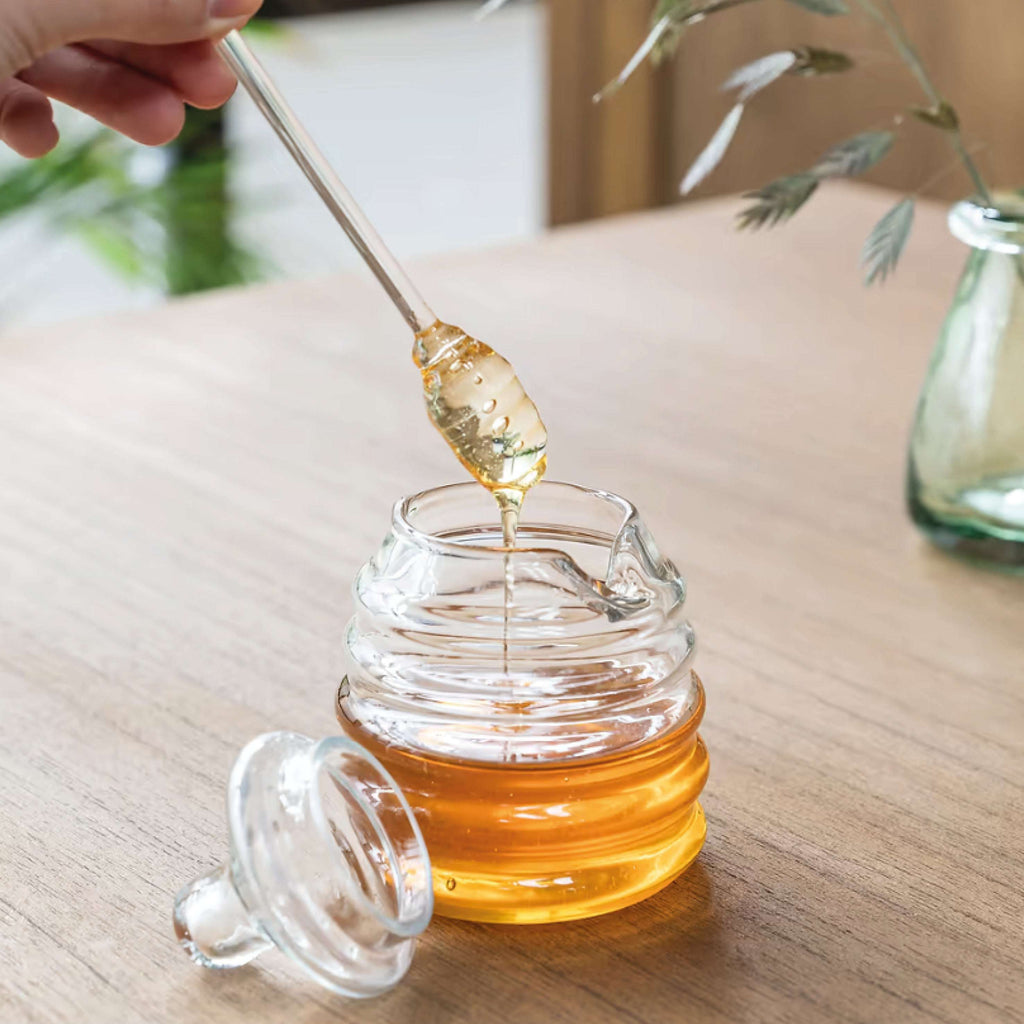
x=528, y=844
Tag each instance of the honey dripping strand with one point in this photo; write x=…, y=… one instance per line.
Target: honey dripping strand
x=477, y=402
x=509, y=527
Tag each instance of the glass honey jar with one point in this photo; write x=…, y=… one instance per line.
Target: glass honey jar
x=536, y=706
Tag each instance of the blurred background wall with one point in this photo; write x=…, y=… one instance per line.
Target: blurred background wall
x=435, y=121
x=631, y=152
x=455, y=132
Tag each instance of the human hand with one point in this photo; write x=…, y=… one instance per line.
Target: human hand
x=131, y=64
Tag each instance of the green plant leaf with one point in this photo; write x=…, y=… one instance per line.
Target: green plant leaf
x=712, y=154
x=885, y=244
x=749, y=80
x=67, y=168
x=778, y=200
x=642, y=52
x=115, y=247
x=854, y=156
x=810, y=60
x=667, y=24
x=671, y=16
x=264, y=29
x=88, y=189
x=490, y=7
x=943, y=116
x=830, y=7
x=759, y=74
x=675, y=9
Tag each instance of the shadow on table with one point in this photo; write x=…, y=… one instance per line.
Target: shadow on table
x=668, y=948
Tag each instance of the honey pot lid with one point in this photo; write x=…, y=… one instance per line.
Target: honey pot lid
x=326, y=862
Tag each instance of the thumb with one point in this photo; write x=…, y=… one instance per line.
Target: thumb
x=33, y=27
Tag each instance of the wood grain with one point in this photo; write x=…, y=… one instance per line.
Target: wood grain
x=187, y=494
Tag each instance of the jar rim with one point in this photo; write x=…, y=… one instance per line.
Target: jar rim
x=995, y=227
x=405, y=508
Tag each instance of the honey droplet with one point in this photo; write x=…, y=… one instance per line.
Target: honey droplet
x=478, y=380
x=500, y=425
x=490, y=405
x=450, y=884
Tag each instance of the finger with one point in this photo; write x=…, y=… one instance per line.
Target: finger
x=124, y=99
x=26, y=119
x=193, y=70
x=51, y=23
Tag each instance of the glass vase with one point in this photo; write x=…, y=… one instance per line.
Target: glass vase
x=965, y=481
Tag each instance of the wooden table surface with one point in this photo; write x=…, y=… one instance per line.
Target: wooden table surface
x=188, y=492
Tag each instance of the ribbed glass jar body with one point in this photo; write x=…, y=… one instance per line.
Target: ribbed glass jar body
x=536, y=706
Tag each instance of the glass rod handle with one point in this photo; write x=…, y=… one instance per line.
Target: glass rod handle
x=274, y=107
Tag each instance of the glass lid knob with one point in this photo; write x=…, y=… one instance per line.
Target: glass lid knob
x=326, y=862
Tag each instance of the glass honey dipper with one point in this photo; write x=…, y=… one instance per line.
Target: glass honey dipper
x=473, y=395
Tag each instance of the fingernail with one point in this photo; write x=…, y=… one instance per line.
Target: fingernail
x=220, y=9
